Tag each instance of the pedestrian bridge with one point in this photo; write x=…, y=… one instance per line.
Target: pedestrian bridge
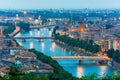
x=42, y=26
x=38, y=38
x=79, y=57
x=33, y=37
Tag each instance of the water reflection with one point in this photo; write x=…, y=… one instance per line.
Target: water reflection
x=80, y=71
x=53, y=47
x=42, y=45
x=31, y=33
x=31, y=45
x=50, y=33
x=38, y=33
x=102, y=70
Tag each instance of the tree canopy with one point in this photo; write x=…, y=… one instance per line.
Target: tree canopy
x=87, y=45
x=114, y=54
x=9, y=29
x=24, y=26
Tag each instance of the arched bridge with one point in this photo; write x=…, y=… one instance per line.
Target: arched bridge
x=38, y=38
x=94, y=58
x=42, y=26
x=33, y=37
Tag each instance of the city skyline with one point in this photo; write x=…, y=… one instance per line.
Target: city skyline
x=59, y=39
x=55, y=4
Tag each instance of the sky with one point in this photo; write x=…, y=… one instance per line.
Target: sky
x=59, y=4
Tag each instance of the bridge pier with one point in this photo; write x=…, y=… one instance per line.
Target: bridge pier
x=49, y=29
x=101, y=62
x=39, y=40
x=52, y=40
x=39, y=30
x=24, y=40
x=80, y=62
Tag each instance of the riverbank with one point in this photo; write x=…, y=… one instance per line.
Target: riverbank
x=75, y=50
x=16, y=31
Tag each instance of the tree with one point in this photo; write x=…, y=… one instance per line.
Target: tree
x=87, y=45
x=24, y=26
x=14, y=71
x=108, y=26
x=9, y=29
x=110, y=53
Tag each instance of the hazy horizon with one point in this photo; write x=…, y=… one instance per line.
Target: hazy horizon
x=61, y=4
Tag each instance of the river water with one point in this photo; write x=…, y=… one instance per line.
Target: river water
x=50, y=48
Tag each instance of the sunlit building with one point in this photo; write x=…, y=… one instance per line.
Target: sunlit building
x=109, y=43
x=87, y=35
x=81, y=28
x=105, y=44
x=116, y=44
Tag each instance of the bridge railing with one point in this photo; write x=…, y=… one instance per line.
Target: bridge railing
x=33, y=37
x=79, y=57
x=40, y=26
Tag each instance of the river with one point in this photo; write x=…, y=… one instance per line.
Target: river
x=50, y=48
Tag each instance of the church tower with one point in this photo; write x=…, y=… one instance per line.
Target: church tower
x=81, y=27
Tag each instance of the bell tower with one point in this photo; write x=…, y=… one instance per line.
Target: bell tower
x=81, y=27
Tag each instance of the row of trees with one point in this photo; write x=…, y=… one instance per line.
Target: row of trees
x=87, y=45
x=114, y=54
x=24, y=26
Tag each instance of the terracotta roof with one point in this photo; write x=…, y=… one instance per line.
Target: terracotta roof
x=4, y=68
x=27, y=54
